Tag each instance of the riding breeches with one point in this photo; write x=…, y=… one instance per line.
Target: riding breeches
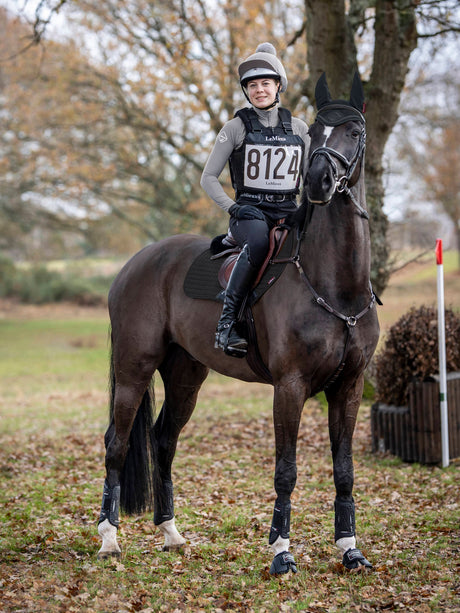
x=255, y=234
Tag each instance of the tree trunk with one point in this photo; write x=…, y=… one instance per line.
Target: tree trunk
x=395, y=39
x=331, y=48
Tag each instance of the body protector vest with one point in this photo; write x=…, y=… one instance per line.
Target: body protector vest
x=269, y=162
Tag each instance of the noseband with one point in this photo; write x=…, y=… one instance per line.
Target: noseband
x=342, y=182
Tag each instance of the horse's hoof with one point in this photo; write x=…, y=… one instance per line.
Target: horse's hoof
x=177, y=548
x=353, y=559
x=283, y=563
x=108, y=555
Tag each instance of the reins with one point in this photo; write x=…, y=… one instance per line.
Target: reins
x=341, y=187
x=350, y=320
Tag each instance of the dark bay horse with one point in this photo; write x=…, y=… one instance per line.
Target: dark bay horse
x=317, y=330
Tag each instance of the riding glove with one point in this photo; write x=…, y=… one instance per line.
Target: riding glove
x=246, y=211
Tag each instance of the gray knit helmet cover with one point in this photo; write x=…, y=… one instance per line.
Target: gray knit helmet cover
x=263, y=63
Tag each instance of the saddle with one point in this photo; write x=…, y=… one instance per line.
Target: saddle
x=277, y=237
x=209, y=273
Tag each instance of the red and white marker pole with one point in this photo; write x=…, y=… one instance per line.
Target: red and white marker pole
x=442, y=357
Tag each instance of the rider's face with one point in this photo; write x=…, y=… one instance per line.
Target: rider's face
x=262, y=92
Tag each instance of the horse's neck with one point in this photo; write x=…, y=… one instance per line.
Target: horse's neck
x=336, y=248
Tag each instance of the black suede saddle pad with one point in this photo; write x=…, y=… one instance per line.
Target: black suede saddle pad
x=202, y=280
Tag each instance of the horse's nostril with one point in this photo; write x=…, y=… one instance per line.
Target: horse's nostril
x=327, y=181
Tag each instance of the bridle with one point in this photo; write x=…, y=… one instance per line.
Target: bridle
x=336, y=115
x=342, y=183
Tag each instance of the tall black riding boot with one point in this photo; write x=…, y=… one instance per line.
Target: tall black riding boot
x=239, y=284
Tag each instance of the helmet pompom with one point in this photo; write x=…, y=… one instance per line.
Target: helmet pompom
x=266, y=48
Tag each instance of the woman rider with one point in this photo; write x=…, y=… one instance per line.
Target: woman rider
x=265, y=147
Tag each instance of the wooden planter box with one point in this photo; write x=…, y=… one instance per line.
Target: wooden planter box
x=414, y=432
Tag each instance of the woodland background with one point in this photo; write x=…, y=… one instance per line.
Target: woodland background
x=109, y=110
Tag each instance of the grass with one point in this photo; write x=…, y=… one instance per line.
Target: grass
x=53, y=414
x=43, y=362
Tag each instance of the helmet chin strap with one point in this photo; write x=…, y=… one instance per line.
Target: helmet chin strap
x=270, y=106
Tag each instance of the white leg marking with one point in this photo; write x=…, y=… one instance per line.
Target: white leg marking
x=280, y=545
x=172, y=537
x=108, y=534
x=349, y=542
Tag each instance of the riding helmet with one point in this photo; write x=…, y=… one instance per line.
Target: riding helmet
x=263, y=63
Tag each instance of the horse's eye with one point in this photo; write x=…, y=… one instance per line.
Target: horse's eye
x=355, y=134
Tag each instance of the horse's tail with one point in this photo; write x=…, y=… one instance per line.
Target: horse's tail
x=136, y=478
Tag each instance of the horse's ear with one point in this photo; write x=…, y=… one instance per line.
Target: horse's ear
x=357, y=93
x=322, y=94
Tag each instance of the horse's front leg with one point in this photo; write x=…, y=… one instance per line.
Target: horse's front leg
x=344, y=404
x=288, y=403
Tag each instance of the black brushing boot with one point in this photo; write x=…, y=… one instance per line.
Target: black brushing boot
x=239, y=284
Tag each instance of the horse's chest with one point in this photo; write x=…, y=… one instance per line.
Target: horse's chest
x=322, y=345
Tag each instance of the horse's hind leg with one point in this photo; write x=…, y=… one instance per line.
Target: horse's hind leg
x=127, y=460
x=182, y=377
x=343, y=409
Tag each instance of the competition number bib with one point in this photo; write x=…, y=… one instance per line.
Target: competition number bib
x=271, y=168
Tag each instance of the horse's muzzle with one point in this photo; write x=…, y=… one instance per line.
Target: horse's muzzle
x=320, y=182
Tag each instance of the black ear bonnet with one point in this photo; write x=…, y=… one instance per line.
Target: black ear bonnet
x=335, y=112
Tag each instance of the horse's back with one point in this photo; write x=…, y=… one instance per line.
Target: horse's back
x=156, y=264
x=142, y=288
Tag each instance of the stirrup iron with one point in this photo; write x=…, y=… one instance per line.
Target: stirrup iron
x=222, y=342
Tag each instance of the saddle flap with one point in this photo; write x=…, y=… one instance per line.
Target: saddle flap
x=277, y=237
x=226, y=269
